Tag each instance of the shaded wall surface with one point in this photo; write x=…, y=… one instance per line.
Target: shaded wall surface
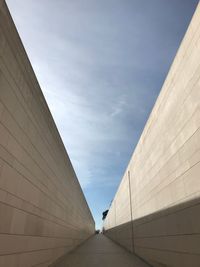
x=156, y=210
x=43, y=212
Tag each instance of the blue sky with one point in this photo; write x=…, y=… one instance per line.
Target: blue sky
x=101, y=65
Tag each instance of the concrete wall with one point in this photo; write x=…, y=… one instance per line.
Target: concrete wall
x=43, y=212
x=161, y=223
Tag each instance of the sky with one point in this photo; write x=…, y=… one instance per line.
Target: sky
x=101, y=65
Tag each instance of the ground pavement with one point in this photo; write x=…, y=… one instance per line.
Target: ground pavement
x=100, y=251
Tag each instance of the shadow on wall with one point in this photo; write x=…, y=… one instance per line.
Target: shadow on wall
x=170, y=237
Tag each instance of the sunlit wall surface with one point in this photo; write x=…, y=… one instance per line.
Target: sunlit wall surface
x=43, y=212
x=155, y=212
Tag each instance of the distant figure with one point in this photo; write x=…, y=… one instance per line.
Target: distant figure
x=104, y=214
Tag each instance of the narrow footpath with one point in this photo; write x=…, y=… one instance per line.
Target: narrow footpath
x=100, y=251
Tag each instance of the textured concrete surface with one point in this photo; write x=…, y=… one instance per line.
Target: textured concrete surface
x=162, y=177
x=100, y=251
x=43, y=212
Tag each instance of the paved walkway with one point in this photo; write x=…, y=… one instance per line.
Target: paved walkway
x=99, y=251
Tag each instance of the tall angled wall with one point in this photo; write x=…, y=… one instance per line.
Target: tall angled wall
x=156, y=210
x=43, y=212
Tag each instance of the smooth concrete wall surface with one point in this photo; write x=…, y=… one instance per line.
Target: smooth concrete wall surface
x=164, y=170
x=43, y=212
